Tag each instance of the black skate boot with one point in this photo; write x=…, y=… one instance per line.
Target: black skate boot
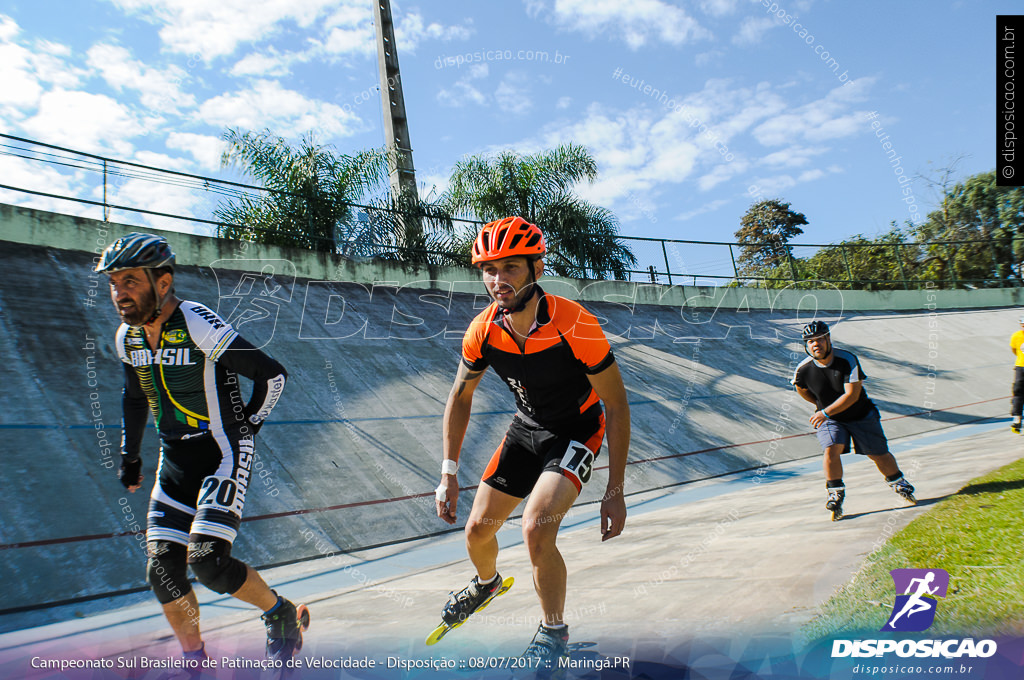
x=836, y=495
x=285, y=624
x=905, y=489
x=473, y=598
x=547, y=647
x=1015, y=427
x=470, y=599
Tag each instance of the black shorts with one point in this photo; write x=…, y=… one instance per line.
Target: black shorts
x=200, y=488
x=529, y=449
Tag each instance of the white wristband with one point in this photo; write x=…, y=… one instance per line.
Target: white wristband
x=449, y=467
x=823, y=413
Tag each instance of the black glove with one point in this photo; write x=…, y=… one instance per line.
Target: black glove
x=130, y=473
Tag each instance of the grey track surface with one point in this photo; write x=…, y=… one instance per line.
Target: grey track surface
x=731, y=558
x=359, y=425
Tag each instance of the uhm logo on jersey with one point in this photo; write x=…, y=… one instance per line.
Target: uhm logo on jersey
x=171, y=356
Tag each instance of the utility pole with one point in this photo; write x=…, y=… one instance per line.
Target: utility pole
x=396, y=125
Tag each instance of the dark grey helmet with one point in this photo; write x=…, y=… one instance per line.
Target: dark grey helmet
x=815, y=329
x=136, y=250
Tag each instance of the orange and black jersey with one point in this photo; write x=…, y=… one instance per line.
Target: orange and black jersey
x=549, y=375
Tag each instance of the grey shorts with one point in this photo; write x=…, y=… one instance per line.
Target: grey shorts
x=866, y=433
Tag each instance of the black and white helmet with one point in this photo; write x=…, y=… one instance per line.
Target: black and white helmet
x=815, y=329
x=136, y=250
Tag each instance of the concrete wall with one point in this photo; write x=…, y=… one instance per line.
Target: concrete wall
x=35, y=227
x=371, y=366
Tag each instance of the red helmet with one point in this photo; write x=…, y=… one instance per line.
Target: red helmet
x=508, y=237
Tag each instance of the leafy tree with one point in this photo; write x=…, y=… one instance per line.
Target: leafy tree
x=310, y=190
x=976, y=210
x=881, y=263
x=582, y=238
x=414, y=231
x=764, y=231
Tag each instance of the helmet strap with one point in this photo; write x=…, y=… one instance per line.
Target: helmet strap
x=159, y=303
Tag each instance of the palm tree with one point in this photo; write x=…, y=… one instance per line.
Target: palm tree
x=310, y=190
x=413, y=230
x=582, y=238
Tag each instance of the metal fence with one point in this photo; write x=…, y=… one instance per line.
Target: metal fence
x=59, y=179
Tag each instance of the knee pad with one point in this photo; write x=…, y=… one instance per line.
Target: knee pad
x=166, y=571
x=213, y=565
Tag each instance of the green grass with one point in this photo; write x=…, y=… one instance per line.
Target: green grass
x=977, y=535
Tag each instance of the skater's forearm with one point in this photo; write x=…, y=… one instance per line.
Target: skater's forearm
x=849, y=397
x=618, y=434
x=457, y=410
x=612, y=393
x=456, y=422
x=806, y=394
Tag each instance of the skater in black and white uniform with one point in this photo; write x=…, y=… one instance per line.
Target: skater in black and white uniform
x=831, y=379
x=181, y=364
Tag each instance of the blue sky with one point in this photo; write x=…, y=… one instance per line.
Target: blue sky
x=753, y=106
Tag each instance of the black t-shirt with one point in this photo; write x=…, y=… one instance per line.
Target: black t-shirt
x=827, y=383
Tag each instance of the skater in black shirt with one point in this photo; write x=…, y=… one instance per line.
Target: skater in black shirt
x=831, y=379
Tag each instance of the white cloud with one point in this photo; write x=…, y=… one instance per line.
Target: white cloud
x=718, y=8
x=158, y=90
x=413, y=30
x=710, y=141
x=8, y=28
x=84, y=121
x=159, y=160
x=286, y=112
x=722, y=172
x=811, y=175
x=635, y=22
x=263, y=65
x=19, y=84
x=753, y=29
x=705, y=58
x=27, y=71
x=563, y=103
x=463, y=91
x=48, y=178
x=513, y=95
x=160, y=197
x=817, y=121
x=207, y=29
x=710, y=206
x=350, y=31
x=792, y=157
x=205, y=149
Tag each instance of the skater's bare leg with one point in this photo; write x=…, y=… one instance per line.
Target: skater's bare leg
x=255, y=591
x=183, y=615
x=549, y=501
x=833, y=463
x=490, y=510
x=886, y=464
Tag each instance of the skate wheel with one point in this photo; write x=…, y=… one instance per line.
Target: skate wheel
x=438, y=633
x=302, y=616
x=836, y=516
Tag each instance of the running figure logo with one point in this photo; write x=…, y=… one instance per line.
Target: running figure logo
x=914, y=610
